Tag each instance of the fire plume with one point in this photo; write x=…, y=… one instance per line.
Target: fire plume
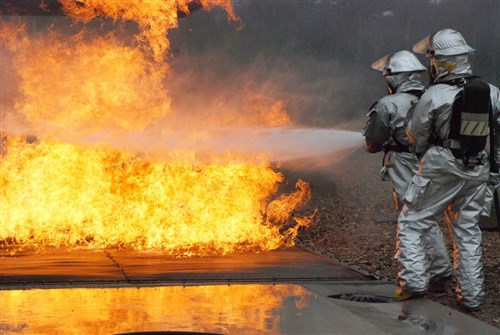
x=73, y=88
x=154, y=17
x=84, y=86
x=55, y=194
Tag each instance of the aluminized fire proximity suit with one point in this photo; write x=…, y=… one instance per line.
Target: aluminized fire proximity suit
x=443, y=180
x=385, y=131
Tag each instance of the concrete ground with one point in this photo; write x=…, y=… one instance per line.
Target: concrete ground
x=287, y=291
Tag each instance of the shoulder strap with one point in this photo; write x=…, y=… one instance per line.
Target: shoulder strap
x=456, y=110
x=417, y=93
x=458, y=81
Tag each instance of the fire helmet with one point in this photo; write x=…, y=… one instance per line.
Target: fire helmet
x=399, y=62
x=446, y=42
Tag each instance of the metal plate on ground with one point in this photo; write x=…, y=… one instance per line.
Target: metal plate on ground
x=115, y=267
x=58, y=265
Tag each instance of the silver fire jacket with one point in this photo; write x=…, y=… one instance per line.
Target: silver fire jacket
x=431, y=119
x=385, y=130
x=444, y=181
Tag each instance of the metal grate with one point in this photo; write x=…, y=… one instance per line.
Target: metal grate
x=363, y=298
x=167, y=333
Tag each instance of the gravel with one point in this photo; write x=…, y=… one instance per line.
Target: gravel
x=355, y=223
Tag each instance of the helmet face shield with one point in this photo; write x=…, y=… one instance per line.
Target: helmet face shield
x=423, y=46
x=381, y=64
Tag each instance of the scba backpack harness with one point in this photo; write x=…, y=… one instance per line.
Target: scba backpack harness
x=470, y=121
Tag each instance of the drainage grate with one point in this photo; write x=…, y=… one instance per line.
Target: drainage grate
x=363, y=298
x=167, y=333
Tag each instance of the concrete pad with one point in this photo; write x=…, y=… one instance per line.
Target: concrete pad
x=124, y=267
x=288, y=309
x=57, y=266
x=291, y=292
x=420, y=316
x=282, y=265
x=221, y=309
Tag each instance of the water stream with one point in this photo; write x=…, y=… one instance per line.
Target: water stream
x=273, y=144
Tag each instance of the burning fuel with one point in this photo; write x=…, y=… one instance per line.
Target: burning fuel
x=56, y=194
x=72, y=90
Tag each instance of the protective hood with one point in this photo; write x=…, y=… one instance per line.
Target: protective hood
x=446, y=42
x=404, y=82
x=401, y=61
x=448, y=67
x=411, y=83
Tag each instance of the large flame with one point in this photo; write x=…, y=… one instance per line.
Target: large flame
x=54, y=193
x=80, y=86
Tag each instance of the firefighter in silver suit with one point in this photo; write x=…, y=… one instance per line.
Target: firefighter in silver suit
x=446, y=178
x=385, y=131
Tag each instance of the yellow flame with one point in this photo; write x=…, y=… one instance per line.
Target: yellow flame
x=55, y=194
x=154, y=17
x=80, y=86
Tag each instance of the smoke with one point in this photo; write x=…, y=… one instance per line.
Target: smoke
x=210, y=84
x=316, y=55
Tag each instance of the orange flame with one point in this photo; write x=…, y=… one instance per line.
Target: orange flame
x=154, y=17
x=84, y=86
x=55, y=194
x=258, y=110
